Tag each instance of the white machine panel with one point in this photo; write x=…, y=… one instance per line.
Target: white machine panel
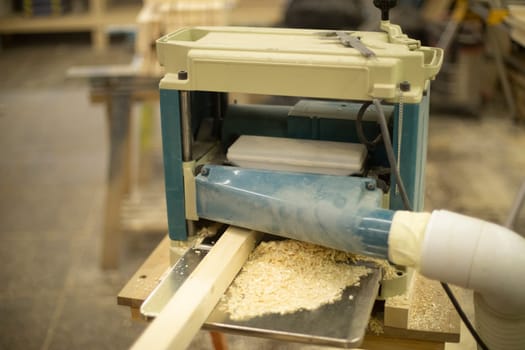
x=295, y=62
x=308, y=156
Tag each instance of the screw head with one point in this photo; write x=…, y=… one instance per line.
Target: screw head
x=370, y=186
x=404, y=86
x=205, y=171
x=182, y=75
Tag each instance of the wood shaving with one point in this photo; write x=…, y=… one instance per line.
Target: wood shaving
x=375, y=326
x=430, y=308
x=282, y=277
x=179, y=248
x=389, y=271
x=402, y=300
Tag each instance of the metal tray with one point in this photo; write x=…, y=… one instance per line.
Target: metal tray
x=341, y=324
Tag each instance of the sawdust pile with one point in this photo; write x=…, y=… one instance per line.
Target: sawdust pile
x=287, y=276
x=430, y=308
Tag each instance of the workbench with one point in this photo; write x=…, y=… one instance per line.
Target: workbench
x=118, y=87
x=432, y=333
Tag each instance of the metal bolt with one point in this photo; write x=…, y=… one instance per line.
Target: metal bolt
x=182, y=75
x=205, y=171
x=370, y=186
x=404, y=86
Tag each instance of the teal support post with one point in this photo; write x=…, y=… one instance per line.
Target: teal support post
x=172, y=154
x=413, y=155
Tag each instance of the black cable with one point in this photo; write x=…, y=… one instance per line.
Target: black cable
x=390, y=155
x=359, y=128
x=406, y=204
x=463, y=316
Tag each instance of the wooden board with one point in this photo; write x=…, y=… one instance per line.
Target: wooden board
x=97, y=19
x=160, y=17
x=397, y=308
x=374, y=342
x=258, y=13
x=516, y=21
x=147, y=277
x=424, y=310
x=190, y=306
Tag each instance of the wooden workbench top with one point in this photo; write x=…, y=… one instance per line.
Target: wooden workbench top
x=431, y=319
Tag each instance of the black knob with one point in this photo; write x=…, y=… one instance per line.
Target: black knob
x=385, y=6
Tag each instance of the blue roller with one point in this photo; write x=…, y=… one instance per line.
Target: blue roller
x=334, y=211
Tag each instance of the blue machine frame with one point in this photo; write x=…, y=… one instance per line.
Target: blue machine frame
x=412, y=157
x=172, y=153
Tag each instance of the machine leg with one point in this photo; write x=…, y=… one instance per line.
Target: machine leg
x=170, y=113
x=118, y=114
x=187, y=141
x=218, y=340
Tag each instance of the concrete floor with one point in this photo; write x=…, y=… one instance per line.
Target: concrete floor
x=53, y=153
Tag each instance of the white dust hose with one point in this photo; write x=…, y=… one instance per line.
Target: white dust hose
x=474, y=254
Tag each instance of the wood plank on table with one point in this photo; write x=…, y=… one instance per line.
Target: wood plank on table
x=147, y=277
x=375, y=342
x=424, y=312
x=192, y=303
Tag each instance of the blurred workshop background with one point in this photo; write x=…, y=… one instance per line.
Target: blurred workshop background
x=81, y=179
